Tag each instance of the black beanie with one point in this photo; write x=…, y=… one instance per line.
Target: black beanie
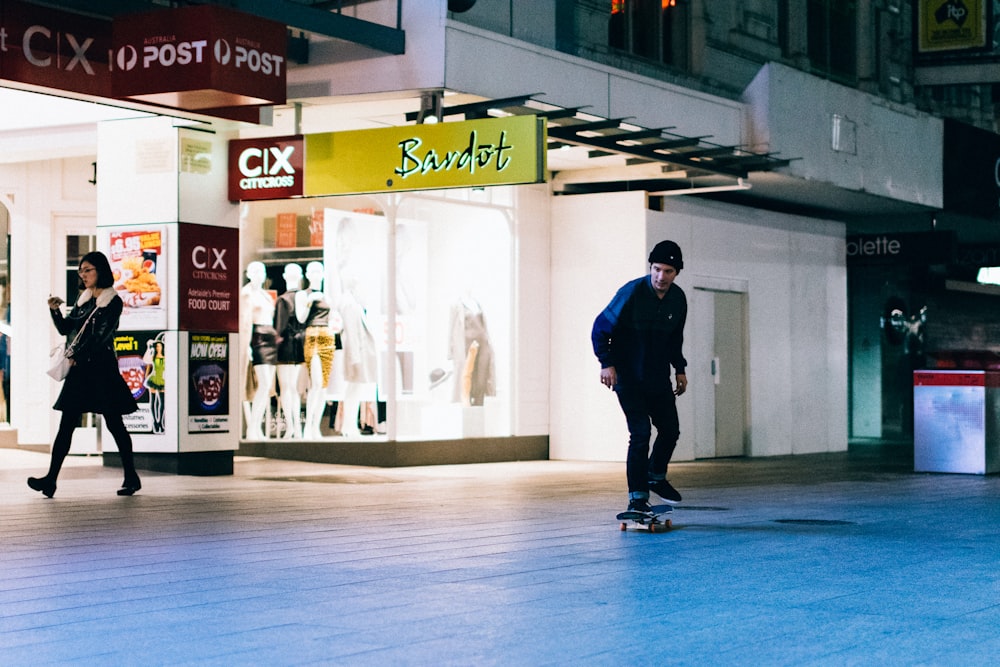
x=667, y=252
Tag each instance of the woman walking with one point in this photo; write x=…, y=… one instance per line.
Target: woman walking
x=94, y=383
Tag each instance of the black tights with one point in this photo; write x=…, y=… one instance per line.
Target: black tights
x=64, y=438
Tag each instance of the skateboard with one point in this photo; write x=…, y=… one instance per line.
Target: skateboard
x=656, y=521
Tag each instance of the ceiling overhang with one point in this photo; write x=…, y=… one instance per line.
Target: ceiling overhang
x=313, y=16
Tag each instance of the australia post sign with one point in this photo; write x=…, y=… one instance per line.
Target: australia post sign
x=199, y=57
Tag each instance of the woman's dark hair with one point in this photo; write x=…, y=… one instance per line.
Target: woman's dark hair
x=105, y=278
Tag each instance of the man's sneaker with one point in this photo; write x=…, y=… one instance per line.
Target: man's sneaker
x=640, y=505
x=663, y=489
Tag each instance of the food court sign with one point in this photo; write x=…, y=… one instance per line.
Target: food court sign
x=474, y=153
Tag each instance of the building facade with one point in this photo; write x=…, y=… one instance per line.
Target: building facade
x=764, y=137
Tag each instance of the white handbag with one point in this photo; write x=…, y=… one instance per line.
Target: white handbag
x=59, y=361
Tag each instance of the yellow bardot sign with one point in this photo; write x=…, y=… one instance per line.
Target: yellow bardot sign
x=475, y=153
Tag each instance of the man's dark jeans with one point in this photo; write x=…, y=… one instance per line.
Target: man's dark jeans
x=644, y=406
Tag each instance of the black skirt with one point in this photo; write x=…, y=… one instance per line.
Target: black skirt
x=96, y=386
x=263, y=345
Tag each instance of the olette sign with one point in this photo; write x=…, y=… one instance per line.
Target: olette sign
x=475, y=153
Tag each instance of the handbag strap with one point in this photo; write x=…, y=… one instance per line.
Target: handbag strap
x=80, y=332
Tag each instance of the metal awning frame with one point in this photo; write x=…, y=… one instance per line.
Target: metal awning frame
x=696, y=156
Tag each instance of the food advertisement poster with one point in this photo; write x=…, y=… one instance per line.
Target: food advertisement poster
x=139, y=268
x=208, y=395
x=142, y=358
x=208, y=278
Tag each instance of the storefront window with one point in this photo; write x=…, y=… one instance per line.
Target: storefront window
x=415, y=292
x=5, y=331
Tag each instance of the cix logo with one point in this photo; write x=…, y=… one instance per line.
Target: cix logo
x=39, y=41
x=204, y=257
x=254, y=162
x=265, y=168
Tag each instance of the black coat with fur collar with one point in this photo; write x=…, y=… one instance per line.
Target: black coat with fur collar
x=94, y=383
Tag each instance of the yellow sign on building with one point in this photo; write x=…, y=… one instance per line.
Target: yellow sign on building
x=949, y=25
x=474, y=153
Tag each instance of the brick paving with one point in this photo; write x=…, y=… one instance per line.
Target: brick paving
x=810, y=560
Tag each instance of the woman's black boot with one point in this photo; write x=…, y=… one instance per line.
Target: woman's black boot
x=43, y=484
x=130, y=487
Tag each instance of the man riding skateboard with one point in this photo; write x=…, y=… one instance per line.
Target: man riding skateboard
x=637, y=338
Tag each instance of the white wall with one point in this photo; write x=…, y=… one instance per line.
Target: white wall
x=532, y=321
x=42, y=197
x=898, y=150
x=496, y=66
x=796, y=282
x=340, y=68
x=598, y=244
x=793, y=270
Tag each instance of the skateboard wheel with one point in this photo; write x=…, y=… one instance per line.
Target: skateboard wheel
x=623, y=526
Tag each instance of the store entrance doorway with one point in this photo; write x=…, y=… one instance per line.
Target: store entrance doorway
x=718, y=320
x=75, y=236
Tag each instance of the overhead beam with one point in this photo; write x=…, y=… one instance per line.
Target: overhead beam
x=476, y=107
x=303, y=17
x=374, y=35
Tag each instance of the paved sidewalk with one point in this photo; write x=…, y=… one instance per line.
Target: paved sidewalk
x=813, y=560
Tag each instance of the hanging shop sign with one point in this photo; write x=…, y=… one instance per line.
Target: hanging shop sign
x=266, y=168
x=474, y=153
x=948, y=25
x=202, y=58
x=208, y=278
x=45, y=47
x=199, y=57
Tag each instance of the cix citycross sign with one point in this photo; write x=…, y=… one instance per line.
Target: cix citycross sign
x=267, y=168
x=199, y=57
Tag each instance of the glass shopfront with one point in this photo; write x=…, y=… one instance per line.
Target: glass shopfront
x=384, y=315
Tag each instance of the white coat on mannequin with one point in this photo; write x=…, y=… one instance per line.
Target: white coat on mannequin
x=360, y=358
x=257, y=311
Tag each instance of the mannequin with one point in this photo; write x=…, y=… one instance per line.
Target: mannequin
x=313, y=310
x=257, y=323
x=360, y=359
x=290, y=356
x=471, y=353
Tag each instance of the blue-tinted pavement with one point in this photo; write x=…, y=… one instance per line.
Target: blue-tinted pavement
x=812, y=560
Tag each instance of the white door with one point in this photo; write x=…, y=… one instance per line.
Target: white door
x=718, y=372
x=74, y=236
